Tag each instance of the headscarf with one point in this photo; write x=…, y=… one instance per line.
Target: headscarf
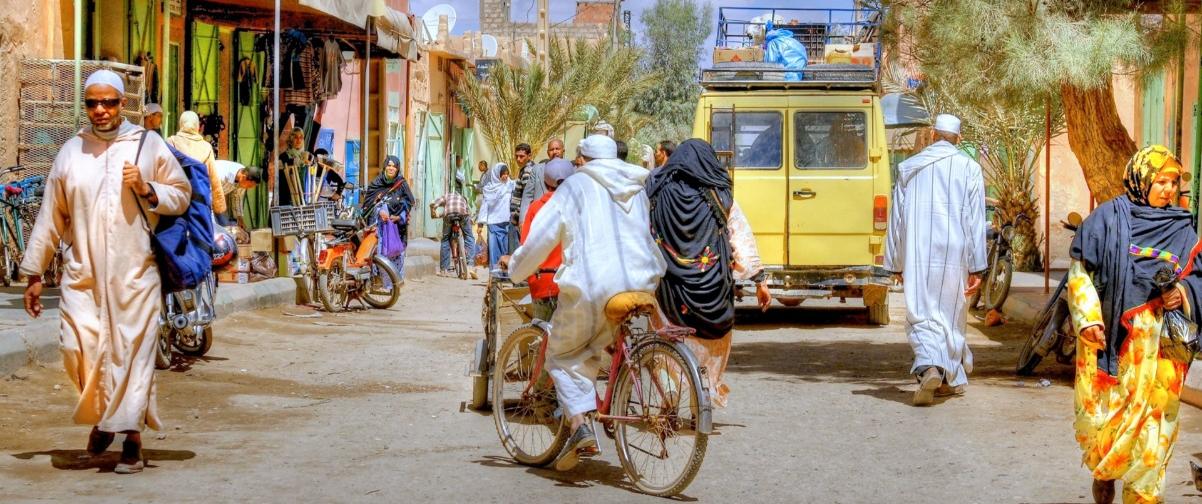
x=690, y=204
x=494, y=187
x=1125, y=242
x=189, y=122
x=392, y=191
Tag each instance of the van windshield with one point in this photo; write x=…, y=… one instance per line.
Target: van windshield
x=830, y=140
x=757, y=135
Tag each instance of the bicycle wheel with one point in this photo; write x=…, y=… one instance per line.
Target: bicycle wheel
x=661, y=451
x=1001, y=273
x=528, y=421
x=461, y=259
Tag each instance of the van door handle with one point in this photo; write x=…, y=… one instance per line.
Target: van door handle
x=804, y=193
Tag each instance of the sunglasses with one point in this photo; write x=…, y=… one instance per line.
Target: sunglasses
x=107, y=102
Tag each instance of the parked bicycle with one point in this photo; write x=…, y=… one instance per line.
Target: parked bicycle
x=1053, y=329
x=655, y=404
x=19, y=204
x=999, y=273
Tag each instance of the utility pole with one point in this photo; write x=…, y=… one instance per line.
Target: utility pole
x=614, y=22
x=544, y=29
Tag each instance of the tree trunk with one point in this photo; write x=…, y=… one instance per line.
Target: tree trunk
x=1098, y=138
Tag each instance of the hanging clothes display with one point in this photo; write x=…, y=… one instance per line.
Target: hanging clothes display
x=150, y=73
x=331, y=68
x=247, y=82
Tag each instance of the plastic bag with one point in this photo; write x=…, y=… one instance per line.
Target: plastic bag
x=390, y=240
x=1180, y=332
x=782, y=48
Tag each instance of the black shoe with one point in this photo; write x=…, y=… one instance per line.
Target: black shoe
x=582, y=444
x=1103, y=491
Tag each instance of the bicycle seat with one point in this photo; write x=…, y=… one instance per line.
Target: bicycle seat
x=619, y=306
x=12, y=190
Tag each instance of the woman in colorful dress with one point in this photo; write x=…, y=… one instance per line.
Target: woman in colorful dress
x=1129, y=372
x=708, y=244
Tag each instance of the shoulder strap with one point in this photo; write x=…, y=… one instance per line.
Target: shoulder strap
x=138, y=199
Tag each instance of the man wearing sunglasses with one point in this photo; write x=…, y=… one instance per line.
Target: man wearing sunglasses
x=101, y=181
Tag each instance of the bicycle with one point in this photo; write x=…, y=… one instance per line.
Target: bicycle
x=19, y=205
x=655, y=399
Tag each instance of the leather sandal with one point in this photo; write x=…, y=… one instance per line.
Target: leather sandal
x=131, y=456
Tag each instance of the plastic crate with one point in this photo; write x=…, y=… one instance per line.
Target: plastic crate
x=300, y=220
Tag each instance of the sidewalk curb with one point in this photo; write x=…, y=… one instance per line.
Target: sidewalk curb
x=38, y=340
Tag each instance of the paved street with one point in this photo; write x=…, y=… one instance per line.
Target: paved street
x=297, y=406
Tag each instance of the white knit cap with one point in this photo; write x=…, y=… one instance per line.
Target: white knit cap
x=108, y=78
x=598, y=147
x=947, y=123
x=153, y=108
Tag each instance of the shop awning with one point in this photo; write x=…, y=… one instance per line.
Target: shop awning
x=393, y=30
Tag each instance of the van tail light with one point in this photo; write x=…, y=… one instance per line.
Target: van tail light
x=880, y=260
x=880, y=212
x=321, y=256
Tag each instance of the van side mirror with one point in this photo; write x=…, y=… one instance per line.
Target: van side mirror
x=1075, y=219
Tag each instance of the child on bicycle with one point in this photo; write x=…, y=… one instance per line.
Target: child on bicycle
x=543, y=289
x=600, y=218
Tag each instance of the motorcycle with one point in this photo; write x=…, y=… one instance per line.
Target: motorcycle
x=186, y=322
x=1053, y=329
x=348, y=268
x=995, y=287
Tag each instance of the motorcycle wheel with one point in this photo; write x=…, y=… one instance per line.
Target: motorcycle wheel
x=1028, y=358
x=461, y=261
x=204, y=341
x=997, y=289
x=383, y=289
x=331, y=288
x=162, y=349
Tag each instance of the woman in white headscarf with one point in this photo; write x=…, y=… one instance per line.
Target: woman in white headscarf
x=495, y=211
x=189, y=141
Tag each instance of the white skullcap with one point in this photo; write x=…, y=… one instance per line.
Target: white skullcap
x=598, y=147
x=153, y=108
x=947, y=123
x=189, y=122
x=108, y=78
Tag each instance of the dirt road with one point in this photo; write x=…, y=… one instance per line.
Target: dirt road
x=366, y=408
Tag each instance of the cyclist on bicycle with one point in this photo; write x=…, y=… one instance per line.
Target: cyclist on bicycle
x=543, y=289
x=455, y=207
x=601, y=219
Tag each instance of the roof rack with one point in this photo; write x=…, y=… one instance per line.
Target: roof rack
x=815, y=29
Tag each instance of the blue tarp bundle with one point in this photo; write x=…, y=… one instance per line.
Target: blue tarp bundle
x=784, y=49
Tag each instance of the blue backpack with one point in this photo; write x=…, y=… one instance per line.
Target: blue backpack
x=183, y=244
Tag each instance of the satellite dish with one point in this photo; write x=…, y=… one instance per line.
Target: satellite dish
x=430, y=19
x=490, y=45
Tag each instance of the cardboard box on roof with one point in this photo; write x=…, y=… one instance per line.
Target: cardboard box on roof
x=741, y=54
x=855, y=54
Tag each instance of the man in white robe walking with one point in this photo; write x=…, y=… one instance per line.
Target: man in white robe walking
x=110, y=290
x=936, y=248
x=601, y=216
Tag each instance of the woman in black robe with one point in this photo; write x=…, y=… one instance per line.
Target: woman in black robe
x=707, y=242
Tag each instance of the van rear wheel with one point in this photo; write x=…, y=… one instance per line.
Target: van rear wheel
x=878, y=313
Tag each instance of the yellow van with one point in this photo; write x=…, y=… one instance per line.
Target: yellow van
x=810, y=165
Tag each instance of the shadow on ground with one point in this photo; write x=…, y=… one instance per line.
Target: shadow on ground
x=80, y=460
x=589, y=473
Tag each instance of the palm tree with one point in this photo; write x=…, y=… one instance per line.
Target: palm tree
x=531, y=104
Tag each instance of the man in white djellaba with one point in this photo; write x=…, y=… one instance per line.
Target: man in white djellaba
x=936, y=248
